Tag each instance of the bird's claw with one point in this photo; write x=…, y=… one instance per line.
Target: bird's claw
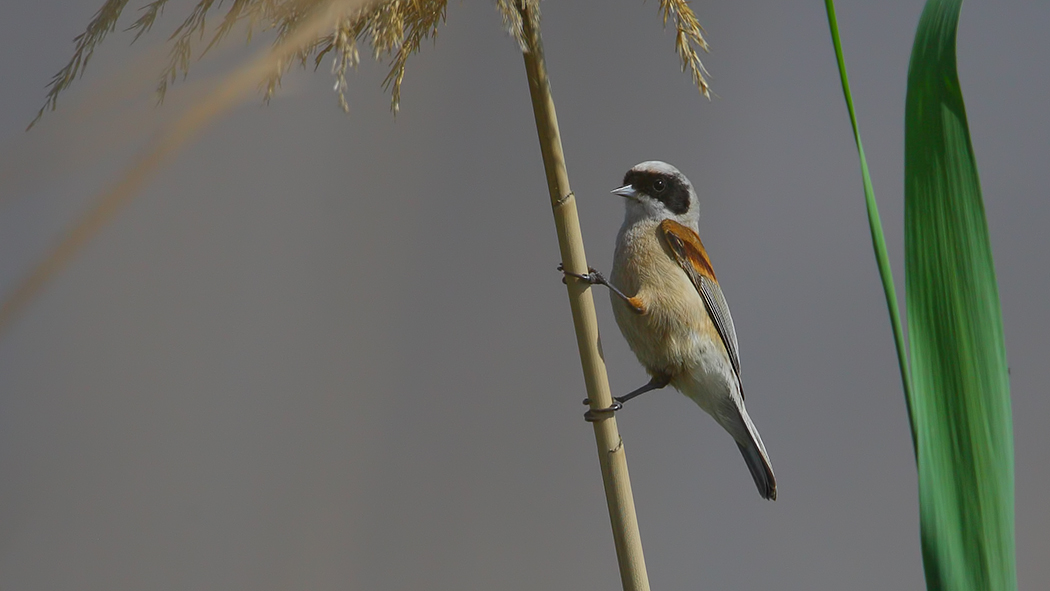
x=593, y=277
x=597, y=414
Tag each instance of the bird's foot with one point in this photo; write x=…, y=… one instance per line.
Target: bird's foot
x=597, y=414
x=593, y=277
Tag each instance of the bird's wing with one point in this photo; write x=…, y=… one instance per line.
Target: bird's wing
x=691, y=256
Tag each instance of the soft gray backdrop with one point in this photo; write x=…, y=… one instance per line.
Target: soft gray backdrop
x=323, y=351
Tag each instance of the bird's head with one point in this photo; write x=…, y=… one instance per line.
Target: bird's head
x=657, y=191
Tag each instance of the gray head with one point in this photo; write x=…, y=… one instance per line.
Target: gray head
x=656, y=190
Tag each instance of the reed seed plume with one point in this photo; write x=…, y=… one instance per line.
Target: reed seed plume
x=512, y=11
x=103, y=23
x=689, y=36
x=395, y=29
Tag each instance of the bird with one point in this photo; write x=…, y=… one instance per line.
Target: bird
x=671, y=310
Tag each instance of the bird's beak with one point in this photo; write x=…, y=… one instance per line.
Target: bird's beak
x=626, y=191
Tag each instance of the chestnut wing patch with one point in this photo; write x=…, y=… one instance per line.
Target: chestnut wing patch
x=690, y=254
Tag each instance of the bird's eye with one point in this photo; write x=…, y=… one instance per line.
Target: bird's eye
x=659, y=185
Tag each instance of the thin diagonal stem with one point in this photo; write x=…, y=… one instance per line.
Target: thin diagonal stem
x=878, y=239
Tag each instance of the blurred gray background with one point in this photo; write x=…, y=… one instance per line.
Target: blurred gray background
x=323, y=351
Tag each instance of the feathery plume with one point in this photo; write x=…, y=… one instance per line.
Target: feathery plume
x=688, y=33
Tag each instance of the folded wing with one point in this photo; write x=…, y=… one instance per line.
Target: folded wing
x=689, y=251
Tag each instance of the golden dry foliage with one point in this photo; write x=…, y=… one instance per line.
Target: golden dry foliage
x=688, y=33
x=304, y=29
x=102, y=24
x=395, y=29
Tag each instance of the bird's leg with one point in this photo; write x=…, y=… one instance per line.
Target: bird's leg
x=596, y=278
x=658, y=381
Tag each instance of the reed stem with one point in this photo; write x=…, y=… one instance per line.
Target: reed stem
x=611, y=454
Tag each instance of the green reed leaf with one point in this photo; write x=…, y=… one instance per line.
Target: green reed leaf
x=961, y=392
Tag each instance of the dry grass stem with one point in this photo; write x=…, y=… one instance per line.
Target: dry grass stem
x=612, y=457
x=230, y=92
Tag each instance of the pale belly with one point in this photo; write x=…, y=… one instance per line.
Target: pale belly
x=675, y=336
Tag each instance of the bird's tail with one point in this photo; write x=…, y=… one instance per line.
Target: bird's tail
x=757, y=459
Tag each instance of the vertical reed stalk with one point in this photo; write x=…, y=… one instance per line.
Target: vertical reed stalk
x=611, y=454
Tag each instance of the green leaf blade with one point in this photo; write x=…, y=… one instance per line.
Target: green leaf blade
x=878, y=238
x=960, y=405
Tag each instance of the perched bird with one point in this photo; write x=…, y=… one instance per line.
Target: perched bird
x=671, y=310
